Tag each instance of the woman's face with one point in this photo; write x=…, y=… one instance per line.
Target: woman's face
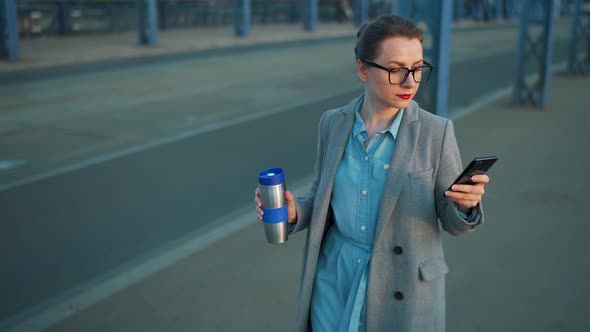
x=395, y=52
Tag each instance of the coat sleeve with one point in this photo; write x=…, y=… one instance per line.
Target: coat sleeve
x=449, y=168
x=305, y=203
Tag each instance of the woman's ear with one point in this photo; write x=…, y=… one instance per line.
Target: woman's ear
x=361, y=70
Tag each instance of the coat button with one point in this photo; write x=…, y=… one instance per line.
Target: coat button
x=398, y=250
x=398, y=295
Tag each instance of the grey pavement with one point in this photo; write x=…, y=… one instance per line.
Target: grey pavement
x=525, y=269
x=519, y=266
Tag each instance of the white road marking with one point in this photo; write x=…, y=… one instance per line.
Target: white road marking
x=154, y=143
x=10, y=164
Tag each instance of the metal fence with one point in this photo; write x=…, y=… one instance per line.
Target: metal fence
x=75, y=17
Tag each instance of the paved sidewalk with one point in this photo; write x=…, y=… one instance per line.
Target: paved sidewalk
x=54, y=52
x=524, y=270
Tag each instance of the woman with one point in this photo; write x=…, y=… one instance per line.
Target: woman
x=373, y=258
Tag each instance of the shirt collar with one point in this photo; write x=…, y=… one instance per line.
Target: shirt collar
x=359, y=125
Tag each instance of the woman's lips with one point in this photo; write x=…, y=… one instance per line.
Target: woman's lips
x=405, y=96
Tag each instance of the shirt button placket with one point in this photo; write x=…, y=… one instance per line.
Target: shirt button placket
x=364, y=181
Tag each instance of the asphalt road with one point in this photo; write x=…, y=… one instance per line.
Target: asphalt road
x=67, y=231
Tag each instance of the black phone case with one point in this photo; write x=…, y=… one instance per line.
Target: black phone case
x=477, y=166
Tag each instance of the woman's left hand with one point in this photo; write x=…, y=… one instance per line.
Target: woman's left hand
x=468, y=195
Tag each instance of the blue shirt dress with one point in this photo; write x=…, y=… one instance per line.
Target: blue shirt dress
x=338, y=300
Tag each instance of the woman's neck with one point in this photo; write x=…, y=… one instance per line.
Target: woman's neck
x=376, y=118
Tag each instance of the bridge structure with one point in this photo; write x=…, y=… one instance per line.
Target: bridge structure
x=34, y=18
x=534, y=49
x=65, y=18
x=579, y=47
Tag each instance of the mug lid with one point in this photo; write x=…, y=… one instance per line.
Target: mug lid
x=271, y=176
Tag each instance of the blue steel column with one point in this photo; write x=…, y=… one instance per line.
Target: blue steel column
x=310, y=15
x=534, y=50
x=148, y=22
x=9, y=46
x=438, y=17
x=441, y=24
x=242, y=18
x=580, y=34
x=361, y=12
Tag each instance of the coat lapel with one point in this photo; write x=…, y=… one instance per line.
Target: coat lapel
x=405, y=146
x=336, y=144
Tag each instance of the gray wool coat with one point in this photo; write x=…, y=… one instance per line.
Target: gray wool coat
x=406, y=290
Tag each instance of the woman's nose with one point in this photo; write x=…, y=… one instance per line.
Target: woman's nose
x=409, y=82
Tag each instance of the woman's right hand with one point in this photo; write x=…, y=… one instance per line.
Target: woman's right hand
x=289, y=199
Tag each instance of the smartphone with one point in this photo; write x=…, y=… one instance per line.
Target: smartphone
x=477, y=166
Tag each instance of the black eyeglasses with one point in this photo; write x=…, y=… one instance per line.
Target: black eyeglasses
x=400, y=75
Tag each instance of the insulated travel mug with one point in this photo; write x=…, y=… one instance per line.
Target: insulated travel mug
x=272, y=194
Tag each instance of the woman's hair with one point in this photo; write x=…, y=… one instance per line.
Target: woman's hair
x=370, y=35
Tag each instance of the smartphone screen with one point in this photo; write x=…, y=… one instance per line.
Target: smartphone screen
x=477, y=166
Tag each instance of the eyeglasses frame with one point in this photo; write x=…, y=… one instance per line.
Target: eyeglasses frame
x=424, y=64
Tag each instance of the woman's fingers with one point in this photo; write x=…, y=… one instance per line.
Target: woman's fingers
x=471, y=189
x=469, y=195
x=480, y=179
x=258, y=203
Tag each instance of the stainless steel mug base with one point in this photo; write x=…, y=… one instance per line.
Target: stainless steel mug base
x=276, y=233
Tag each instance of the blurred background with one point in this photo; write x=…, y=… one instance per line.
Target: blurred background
x=132, y=133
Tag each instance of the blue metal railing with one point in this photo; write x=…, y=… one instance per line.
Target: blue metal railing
x=71, y=17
